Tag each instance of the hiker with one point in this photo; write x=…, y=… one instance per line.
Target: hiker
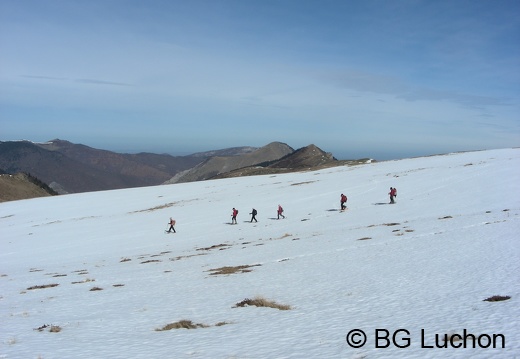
x=343, y=201
x=234, y=216
x=280, y=212
x=172, y=223
x=393, y=194
x=253, y=215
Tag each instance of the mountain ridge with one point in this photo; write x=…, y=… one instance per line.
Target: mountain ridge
x=74, y=168
x=218, y=165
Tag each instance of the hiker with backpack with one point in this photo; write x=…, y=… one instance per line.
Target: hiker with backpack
x=393, y=194
x=253, y=215
x=343, y=200
x=234, y=216
x=171, y=223
x=280, y=212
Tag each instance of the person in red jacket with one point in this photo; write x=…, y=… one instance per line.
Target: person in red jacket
x=234, y=216
x=393, y=194
x=280, y=212
x=343, y=200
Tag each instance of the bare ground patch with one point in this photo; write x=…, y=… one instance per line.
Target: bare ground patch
x=43, y=286
x=187, y=256
x=260, y=301
x=162, y=206
x=232, y=270
x=497, y=298
x=301, y=183
x=51, y=328
x=187, y=324
x=216, y=246
x=86, y=280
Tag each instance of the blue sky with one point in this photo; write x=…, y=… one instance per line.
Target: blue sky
x=380, y=79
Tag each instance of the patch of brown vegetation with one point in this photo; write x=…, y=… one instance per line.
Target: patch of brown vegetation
x=86, y=280
x=93, y=289
x=220, y=246
x=300, y=183
x=232, y=270
x=219, y=324
x=151, y=261
x=124, y=260
x=43, y=286
x=446, y=217
x=55, y=329
x=364, y=238
x=52, y=328
x=188, y=256
x=259, y=301
x=166, y=205
x=182, y=324
x=118, y=285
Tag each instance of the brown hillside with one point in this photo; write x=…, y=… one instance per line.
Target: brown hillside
x=216, y=166
x=306, y=158
x=73, y=168
x=16, y=187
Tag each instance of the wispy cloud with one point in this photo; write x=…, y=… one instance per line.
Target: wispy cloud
x=83, y=81
x=101, y=82
x=393, y=85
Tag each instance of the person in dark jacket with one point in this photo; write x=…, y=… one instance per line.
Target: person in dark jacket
x=171, y=223
x=253, y=215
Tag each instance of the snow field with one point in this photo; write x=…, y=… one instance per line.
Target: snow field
x=426, y=262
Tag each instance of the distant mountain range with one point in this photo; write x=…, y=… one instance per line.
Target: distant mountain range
x=72, y=168
x=219, y=165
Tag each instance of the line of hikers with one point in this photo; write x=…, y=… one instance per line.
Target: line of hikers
x=254, y=212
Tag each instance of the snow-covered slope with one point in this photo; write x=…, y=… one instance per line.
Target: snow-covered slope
x=424, y=265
